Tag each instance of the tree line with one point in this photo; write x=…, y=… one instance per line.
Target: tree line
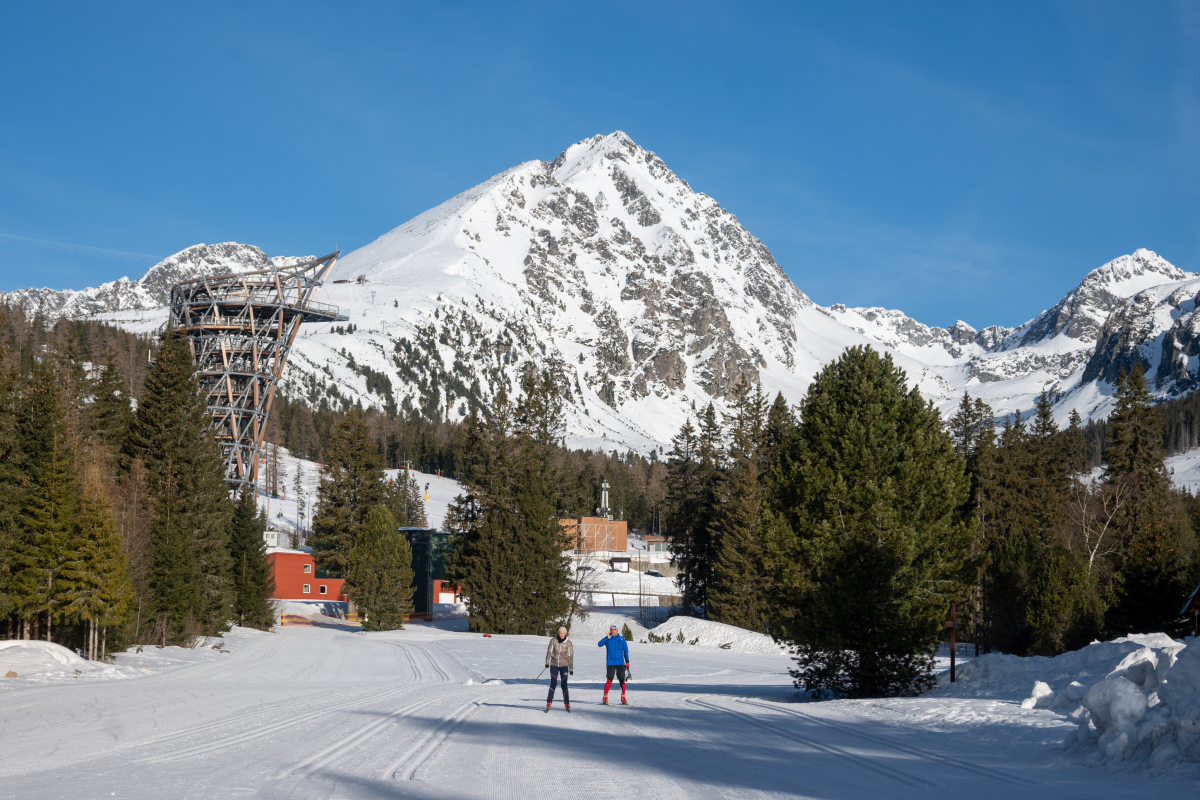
x=115, y=525
x=846, y=525
x=1066, y=556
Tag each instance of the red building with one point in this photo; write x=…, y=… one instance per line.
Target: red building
x=295, y=579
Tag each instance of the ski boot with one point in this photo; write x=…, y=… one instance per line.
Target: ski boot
x=624, y=702
x=567, y=706
x=548, y=707
x=605, y=700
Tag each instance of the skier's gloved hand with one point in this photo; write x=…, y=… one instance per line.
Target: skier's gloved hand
x=547, y=665
x=572, y=671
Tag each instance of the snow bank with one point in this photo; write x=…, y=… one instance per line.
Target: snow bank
x=1134, y=700
x=29, y=658
x=718, y=635
x=595, y=627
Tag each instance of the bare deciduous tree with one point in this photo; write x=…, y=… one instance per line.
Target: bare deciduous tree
x=1092, y=512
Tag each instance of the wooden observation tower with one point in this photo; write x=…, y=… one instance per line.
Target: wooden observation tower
x=241, y=328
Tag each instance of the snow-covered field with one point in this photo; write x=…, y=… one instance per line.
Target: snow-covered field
x=283, y=512
x=319, y=713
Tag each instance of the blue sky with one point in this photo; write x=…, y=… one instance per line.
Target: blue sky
x=954, y=160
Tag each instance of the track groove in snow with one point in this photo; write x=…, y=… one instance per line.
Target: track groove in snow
x=292, y=721
x=856, y=759
x=986, y=772
x=420, y=752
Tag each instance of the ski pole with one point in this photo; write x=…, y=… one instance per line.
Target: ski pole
x=539, y=677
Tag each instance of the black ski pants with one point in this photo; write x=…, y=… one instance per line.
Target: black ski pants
x=555, y=674
x=617, y=671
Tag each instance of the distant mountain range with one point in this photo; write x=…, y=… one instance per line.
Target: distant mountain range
x=647, y=300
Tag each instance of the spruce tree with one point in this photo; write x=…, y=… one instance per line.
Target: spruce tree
x=1151, y=571
x=96, y=576
x=1076, y=453
x=12, y=487
x=681, y=507
x=253, y=583
x=190, y=587
x=695, y=477
x=738, y=595
x=110, y=413
x=867, y=562
x=379, y=578
x=403, y=497
x=351, y=485
x=46, y=546
x=508, y=557
x=1064, y=610
x=1014, y=542
x=778, y=434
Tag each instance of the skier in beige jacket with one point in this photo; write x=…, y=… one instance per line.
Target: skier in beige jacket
x=560, y=658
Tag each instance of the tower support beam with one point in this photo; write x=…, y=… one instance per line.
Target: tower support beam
x=241, y=329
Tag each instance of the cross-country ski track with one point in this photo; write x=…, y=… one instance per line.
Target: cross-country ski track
x=317, y=713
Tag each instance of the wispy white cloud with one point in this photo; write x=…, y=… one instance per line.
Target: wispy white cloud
x=85, y=249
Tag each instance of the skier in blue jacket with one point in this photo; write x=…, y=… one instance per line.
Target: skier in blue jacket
x=618, y=660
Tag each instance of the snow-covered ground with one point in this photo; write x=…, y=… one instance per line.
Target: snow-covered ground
x=283, y=512
x=425, y=712
x=1185, y=470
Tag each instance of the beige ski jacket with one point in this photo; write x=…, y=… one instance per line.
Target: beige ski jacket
x=560, y=654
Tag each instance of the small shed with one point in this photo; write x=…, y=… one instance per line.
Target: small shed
x=620, y=563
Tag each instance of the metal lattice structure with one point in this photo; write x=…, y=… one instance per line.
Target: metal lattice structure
x=241, y=328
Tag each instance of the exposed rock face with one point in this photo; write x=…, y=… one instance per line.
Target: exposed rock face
x=1081, y=314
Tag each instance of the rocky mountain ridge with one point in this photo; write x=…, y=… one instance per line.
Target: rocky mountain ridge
x=646, y=300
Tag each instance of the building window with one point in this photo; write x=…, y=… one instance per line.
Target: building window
x=307, y=569
x=322, y=588
x=307, y=588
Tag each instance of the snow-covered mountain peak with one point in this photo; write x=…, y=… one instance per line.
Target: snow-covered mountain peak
x=616, y=275
x=1078, y=317
x=1129, y=274
x=645, y=301
x=153, y=289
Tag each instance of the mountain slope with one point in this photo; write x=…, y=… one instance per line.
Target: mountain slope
x=646, y=301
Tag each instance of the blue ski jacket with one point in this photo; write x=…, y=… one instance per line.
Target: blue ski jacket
x=618, y=651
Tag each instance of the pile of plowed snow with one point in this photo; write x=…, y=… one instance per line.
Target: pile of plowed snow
x=1135, y=699
x=704, y=633
x=32, y=658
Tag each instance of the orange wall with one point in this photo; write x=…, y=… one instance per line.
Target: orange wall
x=618, y=539
x=290, y=578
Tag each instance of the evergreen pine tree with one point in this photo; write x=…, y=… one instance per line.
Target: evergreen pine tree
x=508, y=557
x=351, y=485
x=253, y=583
x=697, y=550
x=1014, y=539
x=1151, y=572
x=110, y=413
x=12, y=488
x=778, y=434
x=738, y=595
x=379, y=578
x=866, y=564
x=190, y=587
x=46, y=546
x=96, y=576
x=403, y=497
x=1075, y=446
x=1064, y=612
x=681, y=512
